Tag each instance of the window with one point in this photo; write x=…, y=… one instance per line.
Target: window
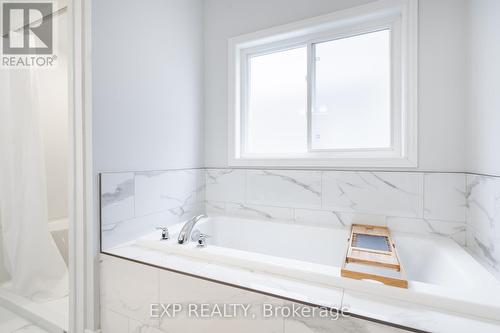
x=338, y=90
x=351, y=87
x=277, y=94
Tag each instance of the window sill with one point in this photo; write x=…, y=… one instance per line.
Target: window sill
x=324, y=162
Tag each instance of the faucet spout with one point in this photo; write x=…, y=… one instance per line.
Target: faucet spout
x=187, y=228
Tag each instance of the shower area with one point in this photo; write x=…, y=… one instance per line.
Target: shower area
x=34, y=162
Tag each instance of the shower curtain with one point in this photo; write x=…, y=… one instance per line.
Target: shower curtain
x=35, y=266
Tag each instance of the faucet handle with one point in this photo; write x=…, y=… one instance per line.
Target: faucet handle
x=164, y=233
x=202, y=240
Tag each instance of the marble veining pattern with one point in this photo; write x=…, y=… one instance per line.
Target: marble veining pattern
x=445, y=196
x=319, y=324
x=215, y=208
x=166, y=190
x=175, y=288
x=447, y=229
x=433, y=204
x=386, y=193
x=120, y=192
x=313, y=188
x=424, y=203
x=413, y=315
x=135, y=326
x=153, y=285
x=336, y=218
x=284, y=188
x=483, y=219
x=128, y=291
x=463, y=207
x=133, y=204
x=259, y=212
x=483, y=201
x=225, y=185
x=117, y=197
x=118, y=233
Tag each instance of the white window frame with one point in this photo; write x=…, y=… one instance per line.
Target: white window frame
x=400, y=17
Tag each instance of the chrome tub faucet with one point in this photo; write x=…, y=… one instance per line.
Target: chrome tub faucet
x=185, y=233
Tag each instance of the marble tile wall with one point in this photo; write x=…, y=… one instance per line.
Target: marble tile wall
x=456, y=205
x=423, y=203
x=483, y=219
x=128, y=289
x=135, y=203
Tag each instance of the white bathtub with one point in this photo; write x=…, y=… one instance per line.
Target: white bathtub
x=441, y=273
x=59, y=230
x=52, y=315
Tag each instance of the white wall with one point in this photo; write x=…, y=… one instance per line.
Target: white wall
x=442, y=86
x=441, y=56
x=148, y=73
x=483, y=135
x=147, y=84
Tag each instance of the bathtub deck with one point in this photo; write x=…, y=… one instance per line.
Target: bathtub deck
x=356, y=302
x=11, y=322
x=51, y=315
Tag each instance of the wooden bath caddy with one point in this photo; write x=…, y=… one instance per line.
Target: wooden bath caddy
x=371, y=255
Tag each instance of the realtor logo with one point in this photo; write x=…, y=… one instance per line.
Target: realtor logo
x=27, y=34
x=27, y=28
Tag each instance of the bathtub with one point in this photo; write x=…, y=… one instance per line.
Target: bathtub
x=441, y=273
x=51, y=315
x=58, y=228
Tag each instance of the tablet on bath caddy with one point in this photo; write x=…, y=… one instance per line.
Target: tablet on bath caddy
x=371, y=255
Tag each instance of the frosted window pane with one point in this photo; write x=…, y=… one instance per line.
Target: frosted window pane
x=352, y=93
x=276, y=118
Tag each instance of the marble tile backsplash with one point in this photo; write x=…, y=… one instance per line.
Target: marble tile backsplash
x=463, y=207
x=445, y=196
x=423, y=203
x=483, y=219
x=135, y=203
x=117, y=197
x=388, y=193
x=294, y=189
